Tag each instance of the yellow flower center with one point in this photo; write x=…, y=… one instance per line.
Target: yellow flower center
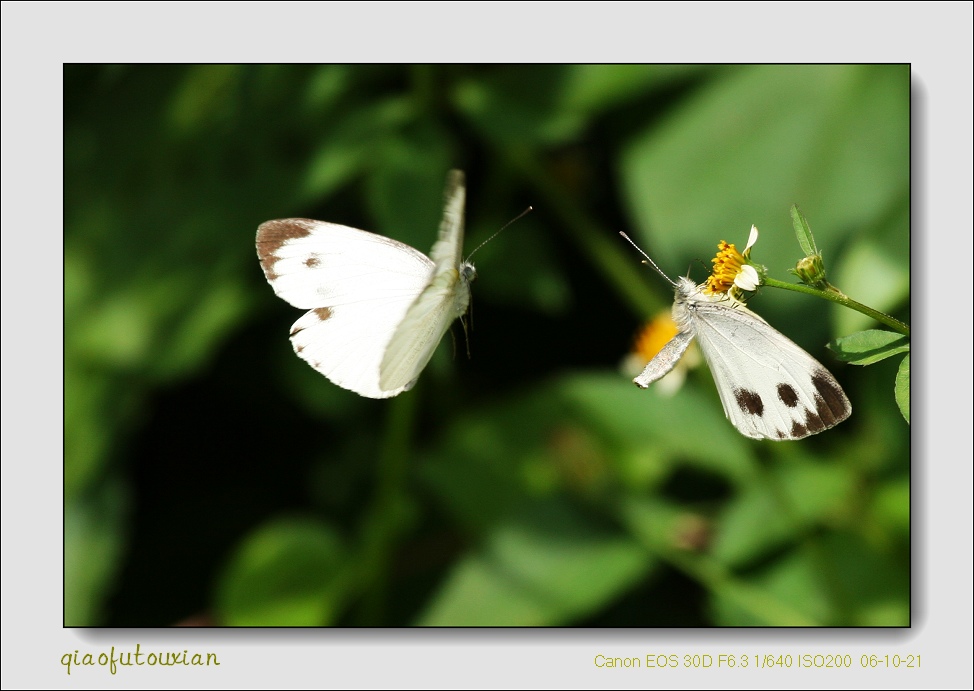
x=727, y=265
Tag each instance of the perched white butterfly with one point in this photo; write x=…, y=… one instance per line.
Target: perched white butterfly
x=378, y=308
x=770, y=388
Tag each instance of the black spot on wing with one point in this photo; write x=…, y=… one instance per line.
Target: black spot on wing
x=787, y=395
x=312, y=261
x=749, y=402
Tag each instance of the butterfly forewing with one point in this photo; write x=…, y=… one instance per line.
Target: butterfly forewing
x=358, y=287
x=665, y=360
x=313, y=264
x=378, y=308
x=415, y=341
x=447, y=251
x=443, y=300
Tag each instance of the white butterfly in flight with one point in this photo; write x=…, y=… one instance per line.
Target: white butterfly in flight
x=378, y=308
x=770, y=388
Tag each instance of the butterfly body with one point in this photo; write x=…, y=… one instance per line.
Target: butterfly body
x=377, y=307
x=769, y=387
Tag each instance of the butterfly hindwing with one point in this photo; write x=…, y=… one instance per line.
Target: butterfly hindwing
x=769, y=387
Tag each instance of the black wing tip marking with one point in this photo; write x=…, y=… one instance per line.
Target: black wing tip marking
x=279, y=231
x=271, y=236
x=831, y=406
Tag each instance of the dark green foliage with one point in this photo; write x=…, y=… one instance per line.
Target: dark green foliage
x=211, y=475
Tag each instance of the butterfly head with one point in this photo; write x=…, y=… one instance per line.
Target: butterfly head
x=468, y=274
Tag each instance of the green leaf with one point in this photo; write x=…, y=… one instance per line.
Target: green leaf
x=589, y=431
x=528, y=105
x=547, y=567
x=816, y=492
x=677, y=535
x=687, y=425
x=891, y=506
x=206, y=96
x=902, y=388
x=288, y=573
x=839, y=580
x=874, y=267
x=752, y=525
x=757, y=138
x=867, y=347
x=95, y=529
x=766, y=516
x=866, y=583
x=405, y=186
x=803, y=232
x=352, y=144
x=791, y=581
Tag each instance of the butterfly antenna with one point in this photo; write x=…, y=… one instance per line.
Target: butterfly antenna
x=648, y=260
x=516, y=218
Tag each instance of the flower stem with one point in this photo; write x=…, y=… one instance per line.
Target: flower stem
x=843, y=300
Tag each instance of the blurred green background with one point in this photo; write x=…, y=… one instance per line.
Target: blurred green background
x=213, y=477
